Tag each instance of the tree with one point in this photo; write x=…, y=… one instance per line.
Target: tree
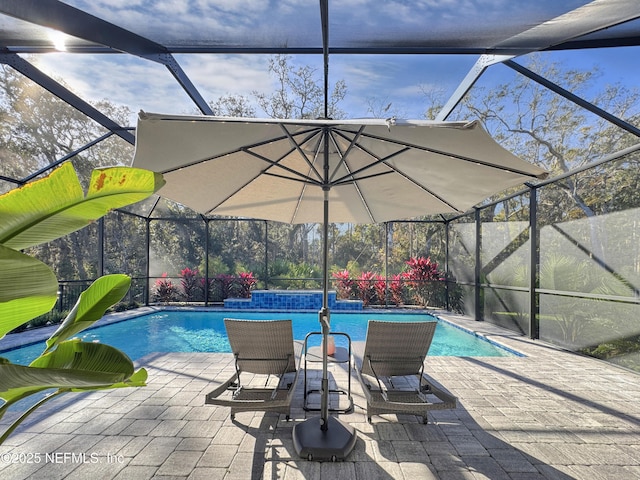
x=299, y=93
x=546, y=129
x=37, y=130
x=382, y=108
x=361, y=246
x=233, y=106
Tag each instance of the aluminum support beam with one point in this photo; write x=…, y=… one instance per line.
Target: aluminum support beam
x=147, y=281
x=66, y=157
x=77, y=23
x=587, y=19
x=474, y=74
x=478, y=292
x=447, y=272
x=101, y=247
x=584, y=20
x=206, y=261
x=185, y=82
x=534, y=265
x=573, y=98
x=49, y=84
x=266, y=255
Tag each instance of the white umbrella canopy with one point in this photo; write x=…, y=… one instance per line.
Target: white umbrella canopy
x=378, y=170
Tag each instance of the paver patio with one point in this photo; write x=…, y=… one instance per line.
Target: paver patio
x=550, y=415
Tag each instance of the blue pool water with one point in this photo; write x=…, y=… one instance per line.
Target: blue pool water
x=189, y=331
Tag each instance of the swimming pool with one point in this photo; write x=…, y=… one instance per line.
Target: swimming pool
x=203, y=331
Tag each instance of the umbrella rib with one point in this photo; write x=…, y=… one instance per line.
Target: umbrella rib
x=244, y=148
x=276, y=163
x=343, y=156
x=452, y=155
x=343, y=160
x=424, y=189
x=406, y=177
x=232, y=194
x=247, y=149
x=304, y=181
x=299, y=149
x=311, y=165
x=351, y=176
x=298, y=203
x=320, y=181
x=349, y=179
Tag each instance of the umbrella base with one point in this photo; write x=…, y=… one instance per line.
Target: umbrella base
x=312, y=443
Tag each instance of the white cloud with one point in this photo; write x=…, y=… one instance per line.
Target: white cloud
x=217, y=75
x=146, y=85
x=121, y=79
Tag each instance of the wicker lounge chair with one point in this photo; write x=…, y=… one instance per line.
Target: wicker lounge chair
x=391, y=370
x=266, y=356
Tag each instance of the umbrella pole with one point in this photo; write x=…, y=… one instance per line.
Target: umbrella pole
x=327, y=437
x=324, y=314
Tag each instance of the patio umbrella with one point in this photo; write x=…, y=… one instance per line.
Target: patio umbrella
x=325, y=171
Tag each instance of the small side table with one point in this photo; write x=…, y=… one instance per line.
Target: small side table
x=340, y=356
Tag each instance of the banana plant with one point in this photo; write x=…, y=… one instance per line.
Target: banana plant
x=39, y=212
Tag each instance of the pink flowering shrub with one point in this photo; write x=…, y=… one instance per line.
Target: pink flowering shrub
x=367, y=288
x=346, y=287
x=422, y=283
x=231, y=286
x=244, y=284
x=398, y=288
x=191, y=284
x=207, y=285
x=164, y=290
x=380, y=288
x=425, y=280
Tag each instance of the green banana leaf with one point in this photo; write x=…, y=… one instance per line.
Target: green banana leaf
x=28, y=288
x=73, y=366
x=91, y=306
x=91, y=356
x=54, y=206
x=37, y=213
x=138, y=379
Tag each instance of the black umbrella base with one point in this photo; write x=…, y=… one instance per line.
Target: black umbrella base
x=333, y=444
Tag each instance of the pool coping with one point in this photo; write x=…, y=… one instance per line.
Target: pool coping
x=512, y=342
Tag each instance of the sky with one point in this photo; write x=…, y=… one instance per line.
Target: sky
x=378, y=80
x=399, y=80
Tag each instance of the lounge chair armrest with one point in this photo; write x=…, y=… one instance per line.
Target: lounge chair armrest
x=285, y=381
x=380, y=387
x=223, y=387
x=366, y=384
